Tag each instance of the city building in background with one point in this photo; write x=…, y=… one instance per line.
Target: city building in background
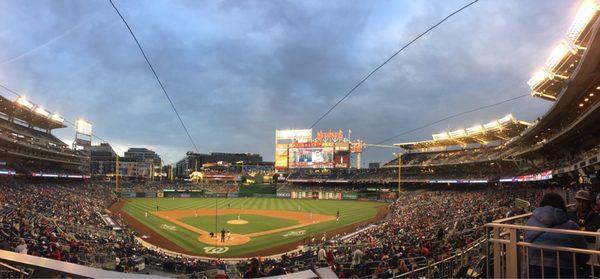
x=141, y=154
x=137, y=163
x=194, y=161
x=102, y=159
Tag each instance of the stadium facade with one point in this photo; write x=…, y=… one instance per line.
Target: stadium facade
x=29, y=149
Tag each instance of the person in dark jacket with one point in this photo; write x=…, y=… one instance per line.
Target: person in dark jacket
x=552, y=214
x=587, y=218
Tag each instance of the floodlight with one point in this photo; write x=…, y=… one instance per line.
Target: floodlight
x=558, y=54
x=474, y=130
x=457, y=133
x=505, y=119
x=440, y=136
x=491, y=126
x=41, y=111
x=584, y=15
x=538, y=77
x=57, y=118
x=24, y=102
x=84, y=127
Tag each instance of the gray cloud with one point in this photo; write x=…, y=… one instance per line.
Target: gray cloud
x=237, y=70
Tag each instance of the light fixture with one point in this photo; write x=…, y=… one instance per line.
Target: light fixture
x=41, y=111
x=537, y=78
x=584, y=15
x=24, y=102
x=57, y=118
x=558, y=54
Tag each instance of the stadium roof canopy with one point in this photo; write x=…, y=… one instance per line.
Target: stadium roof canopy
x=572, y=118
x=547, y=83
x=502, y=130
x=30, y=113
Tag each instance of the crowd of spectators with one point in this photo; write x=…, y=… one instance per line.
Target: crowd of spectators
x=62, y=221
x=421, y=227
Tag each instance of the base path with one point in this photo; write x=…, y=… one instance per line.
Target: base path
x=303, y=218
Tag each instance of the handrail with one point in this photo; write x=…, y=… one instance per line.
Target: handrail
x=548, y=247
x=541, y=229
x=512, y=218
x=10, y=267
x=460, y=253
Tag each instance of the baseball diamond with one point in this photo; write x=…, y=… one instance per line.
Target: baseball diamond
x=245, y=226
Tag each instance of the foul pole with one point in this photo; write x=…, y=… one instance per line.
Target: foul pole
x=117, y=173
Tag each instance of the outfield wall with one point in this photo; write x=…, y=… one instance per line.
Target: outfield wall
x=317, y=195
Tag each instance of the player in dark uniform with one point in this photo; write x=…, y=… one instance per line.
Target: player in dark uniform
x=337, y=216
x=223, y=235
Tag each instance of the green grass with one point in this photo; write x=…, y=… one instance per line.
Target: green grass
x=350, y=212
x=207, y=223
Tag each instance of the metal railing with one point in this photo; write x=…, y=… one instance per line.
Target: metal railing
x=448, y=266
x=9, y=271
x=510, y=256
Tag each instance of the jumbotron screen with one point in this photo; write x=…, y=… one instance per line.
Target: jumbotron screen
x=311, y=157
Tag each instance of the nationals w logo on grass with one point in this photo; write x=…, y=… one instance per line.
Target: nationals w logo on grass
x=168, y=227
x=295, y=233
x=215, y=250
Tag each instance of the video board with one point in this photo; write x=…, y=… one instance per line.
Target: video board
x=311, y=155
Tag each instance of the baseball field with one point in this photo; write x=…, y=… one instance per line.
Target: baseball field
x=253, y=226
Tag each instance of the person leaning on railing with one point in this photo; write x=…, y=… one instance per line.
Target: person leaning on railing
x=552, y=213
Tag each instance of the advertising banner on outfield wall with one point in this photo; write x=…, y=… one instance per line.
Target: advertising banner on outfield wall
x=232, y=195
x=284, y=194
x=330, y=196
x=128, y=195
x=349, y=196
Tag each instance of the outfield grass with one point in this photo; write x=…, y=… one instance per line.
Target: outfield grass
x=350, y=212
x=207, y=223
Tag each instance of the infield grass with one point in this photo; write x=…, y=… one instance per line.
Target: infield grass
x=207, y=223
x=350, y=212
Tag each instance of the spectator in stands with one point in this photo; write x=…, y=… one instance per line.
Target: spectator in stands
x=552, y=214
x=22, y=247
x=276, y=270
x=4, y=245
x=357, y=257
x=586, y=217
x=253, y=270
x=322, y=255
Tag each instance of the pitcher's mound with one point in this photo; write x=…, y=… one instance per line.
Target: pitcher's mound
x=237, y=222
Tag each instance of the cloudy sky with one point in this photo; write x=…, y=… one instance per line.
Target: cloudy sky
x=238, y=70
